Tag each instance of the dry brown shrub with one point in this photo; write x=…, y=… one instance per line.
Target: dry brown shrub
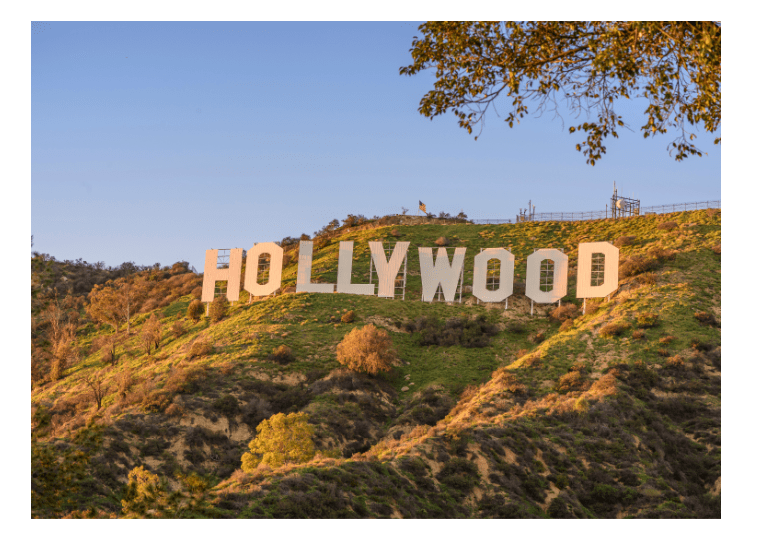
x=606, y=385
x=565, y=312
x=613, y=329
x=625, y=240
x=396, y=233
x=200, y=348
x=521, y=353
x=538, y=337
x=178, y=329
x=647, y=279
x=667, y=226
x=508, y=381
x=533, y=361
x=713, y=212
x=167, y=301
x=197, y=293
x=634, y=265
x=367, y=349
x=441, y=241
x=348, y=317
x=175, y=410
x=666, y=339
x=638, y=334
x=675, y=361
x=663, y=352
x=282, y=355
x=591, y=306
x=566, y=325
x=149, y=305
x=571, y=381
x=717, y=248
x=661, y=254
x=218, y=309
x=706, y=318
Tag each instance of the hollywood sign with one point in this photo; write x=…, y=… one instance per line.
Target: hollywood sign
x=597, y=267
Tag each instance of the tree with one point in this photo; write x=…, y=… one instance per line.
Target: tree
x=675, y=64
x=98, y=387
x=367, y=349
x=114, y=302
x=151, y=336
x=281, y=439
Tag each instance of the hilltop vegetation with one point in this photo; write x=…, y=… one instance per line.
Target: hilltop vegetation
x=486, y=411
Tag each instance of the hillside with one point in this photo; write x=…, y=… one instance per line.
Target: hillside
x=615, y=413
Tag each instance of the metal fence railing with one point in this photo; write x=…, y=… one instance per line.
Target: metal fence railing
x=602, y=214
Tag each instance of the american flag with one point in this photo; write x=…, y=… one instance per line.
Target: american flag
x=422, y=207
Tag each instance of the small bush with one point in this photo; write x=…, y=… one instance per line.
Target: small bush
x=667, y=226
x=566, y=325
x=700, y=346
x=666, y=340
x=282, y=355
x=625, y=240
x=713, y=212
x=227, y=405
x=591, y=307
x=647, y=279
x=441, y=241
x=174, y=410
x=455, y=331
x=705, y=318
x=565, y=312
x=195, y=310
x=663, y=352
x=539, y=337
x=348, y=317
x=675, y=361
x=367, y=349
x=200, y=348
x=634, y=265
x=396, y=233
x=717, y=248
x=177, y=329
x=638, y=334
x=661, y=254
x=613, y=329
x=571, y=381
x=218, y=309
x=647, y=320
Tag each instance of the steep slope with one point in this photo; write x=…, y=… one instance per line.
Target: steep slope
x=614, y=413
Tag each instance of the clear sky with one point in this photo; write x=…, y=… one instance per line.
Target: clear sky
x=152, y=142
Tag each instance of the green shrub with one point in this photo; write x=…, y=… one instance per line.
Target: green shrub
x=227, y=405
x=455, y=331
x=634, y=265
x=647, y=320
x=200, y=348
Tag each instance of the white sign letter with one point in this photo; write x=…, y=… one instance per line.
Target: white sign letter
x=555, y=264
x=275, y=253
x=433, y=274
x=480, y=275
x=387, y=270
x=231, y=274
x=597, y=269
x=345, y=259
x=305, y=258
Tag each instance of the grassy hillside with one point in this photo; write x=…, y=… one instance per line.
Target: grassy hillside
x=615, y=413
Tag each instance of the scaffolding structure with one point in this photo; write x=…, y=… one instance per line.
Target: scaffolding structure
x=623, y=207
x=400, y=282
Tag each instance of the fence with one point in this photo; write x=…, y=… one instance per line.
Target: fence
x=602, y=214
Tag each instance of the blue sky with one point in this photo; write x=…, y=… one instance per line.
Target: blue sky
x=152, y=142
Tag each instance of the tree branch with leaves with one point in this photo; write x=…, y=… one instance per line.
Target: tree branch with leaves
x=676, y=65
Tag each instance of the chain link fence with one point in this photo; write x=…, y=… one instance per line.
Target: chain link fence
x=602, y=214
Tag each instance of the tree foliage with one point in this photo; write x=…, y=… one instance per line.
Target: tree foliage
x=116, y=301
x=676, y=65
x=281, y=439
